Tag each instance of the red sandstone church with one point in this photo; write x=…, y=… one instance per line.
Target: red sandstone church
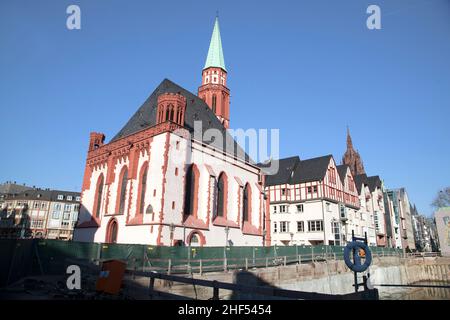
x=156, y=182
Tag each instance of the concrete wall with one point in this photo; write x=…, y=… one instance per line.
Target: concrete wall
x=332, y=277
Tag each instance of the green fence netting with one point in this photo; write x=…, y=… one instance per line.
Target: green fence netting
x=20, y=258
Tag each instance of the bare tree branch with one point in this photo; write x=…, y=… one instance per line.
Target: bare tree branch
x=442, y=199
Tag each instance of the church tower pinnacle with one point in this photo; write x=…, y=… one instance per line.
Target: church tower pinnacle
x=349, y=140
x=214, y=89
x=352, y=158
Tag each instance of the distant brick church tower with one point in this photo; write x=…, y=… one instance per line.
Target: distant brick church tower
x=214, y=89
x=352, y=158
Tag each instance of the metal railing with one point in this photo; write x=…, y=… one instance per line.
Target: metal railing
x=246, y=289
x=200, y=266
x=422, y=254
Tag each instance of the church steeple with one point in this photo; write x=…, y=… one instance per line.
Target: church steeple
x=352, y=158
x=214, y=89
x=215, y=53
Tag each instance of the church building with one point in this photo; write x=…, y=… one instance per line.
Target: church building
x=163, y=180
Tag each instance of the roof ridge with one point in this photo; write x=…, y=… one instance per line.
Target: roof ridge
x=320, y=157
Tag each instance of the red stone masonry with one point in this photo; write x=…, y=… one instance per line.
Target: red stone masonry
x=101, y=155
x=171, y=107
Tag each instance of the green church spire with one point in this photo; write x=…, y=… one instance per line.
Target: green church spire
x=215, y=52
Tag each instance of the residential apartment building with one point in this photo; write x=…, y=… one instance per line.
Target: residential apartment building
x=11, y=188
x=315, y=201
x=425, y=232
x=442, y=217
x=39, y=213
x=398, y=212
x=372, y=210
x=309, y=203
x=370, y=219
x=392, y=218
x=352, y=219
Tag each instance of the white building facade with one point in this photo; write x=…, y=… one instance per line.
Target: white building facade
x=173, y=175
x=309, y=204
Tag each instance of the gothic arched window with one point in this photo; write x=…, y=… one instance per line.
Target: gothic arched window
x=167, y=114
x=171, y=113
x=122, y=191
x=191, y=190
x=246, y=203
x=221, y=195
x=98, y=197
x=142, y=188
x=111, y=232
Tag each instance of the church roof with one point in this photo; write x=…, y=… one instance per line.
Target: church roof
x=196, y=110
x=215, y=56
x=293, y=170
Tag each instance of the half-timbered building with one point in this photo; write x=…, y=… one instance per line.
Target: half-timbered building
x=309, y=202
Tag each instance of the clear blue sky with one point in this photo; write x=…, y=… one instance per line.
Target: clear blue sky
x=309, y=68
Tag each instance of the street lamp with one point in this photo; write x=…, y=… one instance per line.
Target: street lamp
x=227, y=230
x=172, y=229
x=292, y=237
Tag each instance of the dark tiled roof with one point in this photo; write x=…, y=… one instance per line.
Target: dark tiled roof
x=373, y=182
x=45, y=195
x=311, y=170
x=293, y=170
x=12, y=188
x=284, y=168
x=360, y=179
x=342, y=171
x=196, y=110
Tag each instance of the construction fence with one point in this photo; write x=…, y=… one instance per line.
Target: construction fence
x=20, y=258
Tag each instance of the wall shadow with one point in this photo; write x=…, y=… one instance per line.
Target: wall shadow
x=250, y=279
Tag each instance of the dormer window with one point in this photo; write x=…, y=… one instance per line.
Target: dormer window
x=60, y=197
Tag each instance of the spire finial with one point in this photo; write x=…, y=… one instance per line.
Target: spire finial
x=349, y=139
x=217, y=14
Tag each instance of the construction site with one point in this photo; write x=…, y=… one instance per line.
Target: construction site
x=39, y=270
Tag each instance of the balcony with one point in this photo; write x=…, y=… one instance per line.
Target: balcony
x=343, y=213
